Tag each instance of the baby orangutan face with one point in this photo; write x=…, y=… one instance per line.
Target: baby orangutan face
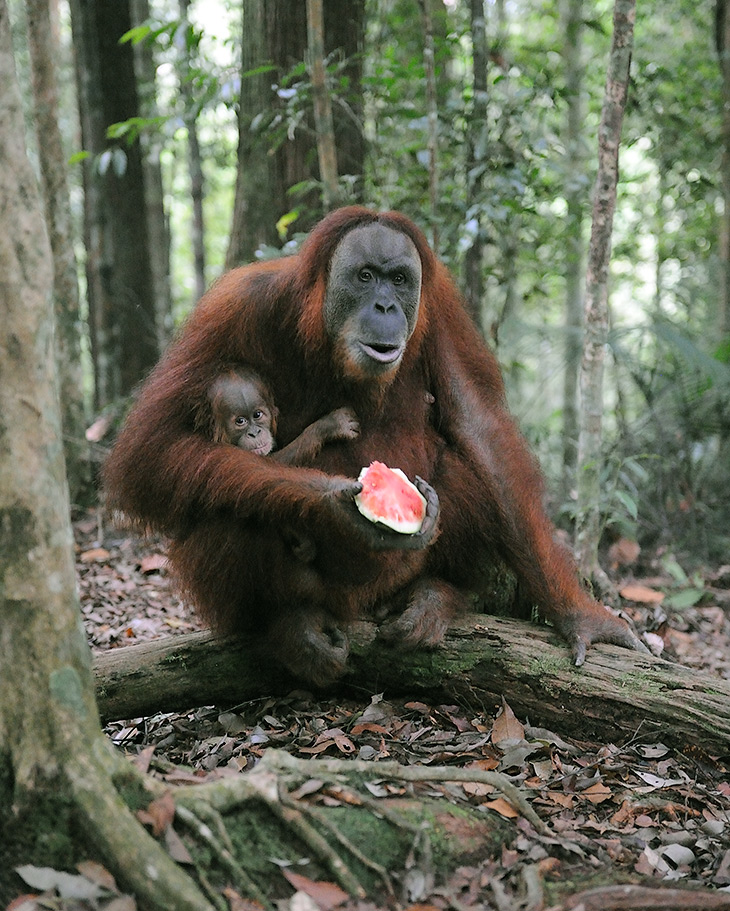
x=243, y=413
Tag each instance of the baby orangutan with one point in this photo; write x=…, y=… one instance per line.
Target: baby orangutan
x=244, y=414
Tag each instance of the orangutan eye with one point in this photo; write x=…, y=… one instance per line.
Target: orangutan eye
x=365, y=275
x=240, y=421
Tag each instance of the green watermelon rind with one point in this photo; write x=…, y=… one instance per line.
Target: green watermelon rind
x=402, y=526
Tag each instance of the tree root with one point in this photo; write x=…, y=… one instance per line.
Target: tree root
x=279, y=761
x=203, y=806
x=149, y=872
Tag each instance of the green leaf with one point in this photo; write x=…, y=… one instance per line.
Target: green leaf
x=78, y=156
x=688, y=597
x=136, y=34
x=671, y=566
x=282, y=225
x=628, y=502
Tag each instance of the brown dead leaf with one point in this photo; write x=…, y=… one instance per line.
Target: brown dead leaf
x=95, y=555
x=176, y=847
x=95, y=873
x=142, y=759
x=562, y=800
x=597, y=793
x=642, y=594
x=237, y=903
x=326, y=895
x=159, y=814
x=623, y=552
x=153, y=563
x=369, y=727
x=501, y=806
x=506, y=726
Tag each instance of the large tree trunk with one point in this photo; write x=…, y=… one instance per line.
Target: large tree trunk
x=275, y=32
x=483, y=659
x=43, y=51
x=122, y=316
x=596, y=304
x=56, y=767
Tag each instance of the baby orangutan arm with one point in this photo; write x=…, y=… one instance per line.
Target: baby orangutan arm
x=341, y=424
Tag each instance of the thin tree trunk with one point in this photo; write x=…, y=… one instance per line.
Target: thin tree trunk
x=195, y=161
x=151, y=142
x=596, y=305
x=475, y=167
x=574, y=277
x=324, y=125
x=43, y=52
x=429, y=65
x=723, y=46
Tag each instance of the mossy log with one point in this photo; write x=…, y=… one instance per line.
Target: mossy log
x=615, y=695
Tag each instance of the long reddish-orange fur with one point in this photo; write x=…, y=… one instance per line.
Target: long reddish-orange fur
x=442, y=417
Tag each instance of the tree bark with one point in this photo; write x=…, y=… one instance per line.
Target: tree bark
x=56, y=766
x=596, y=304
x=195, y=159
x=152, y=144
x=429, y=65
x=324, y=125
x=477, y=137
x=121, y=292
x=275, y=34
x=43, y=51
x=616, y=693
x=575, y=193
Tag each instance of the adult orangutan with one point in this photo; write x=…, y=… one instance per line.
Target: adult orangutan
x=363, y=317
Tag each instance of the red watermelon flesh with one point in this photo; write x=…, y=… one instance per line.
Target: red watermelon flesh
x=388, y=497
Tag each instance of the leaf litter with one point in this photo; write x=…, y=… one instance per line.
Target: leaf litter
x=637, y=813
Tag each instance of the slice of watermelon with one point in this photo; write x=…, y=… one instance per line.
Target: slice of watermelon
x=388, y=497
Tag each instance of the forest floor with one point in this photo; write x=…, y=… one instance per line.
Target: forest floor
x=637, y=813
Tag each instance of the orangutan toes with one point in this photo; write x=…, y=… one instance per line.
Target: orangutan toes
x=598, y=624
x=311, y=647
x=432, y=603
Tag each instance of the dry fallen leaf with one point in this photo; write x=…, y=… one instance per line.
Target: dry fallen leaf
x=506, y=727
x=96, y=555
x=597, y=793
x=642, y=594
x=501, y=806
x=325, y=895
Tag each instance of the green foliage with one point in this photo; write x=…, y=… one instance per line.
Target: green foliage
x=667, y=446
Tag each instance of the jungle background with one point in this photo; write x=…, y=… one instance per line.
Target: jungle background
x=174, y=140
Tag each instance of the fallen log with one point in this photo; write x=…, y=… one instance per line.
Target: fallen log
x=616, y=695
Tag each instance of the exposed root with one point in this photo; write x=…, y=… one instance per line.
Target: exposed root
x=225, y=857
x=279, y=761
